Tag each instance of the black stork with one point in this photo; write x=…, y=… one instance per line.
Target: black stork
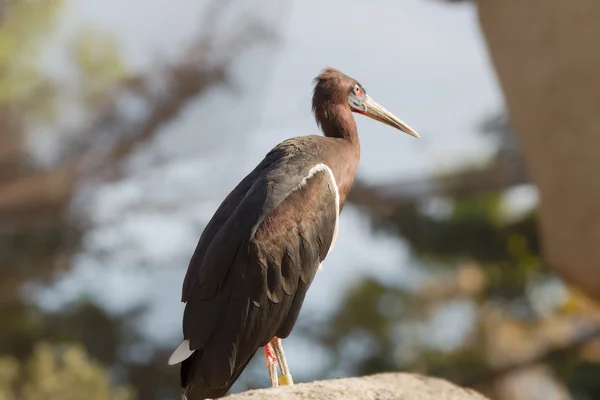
x=258, y=255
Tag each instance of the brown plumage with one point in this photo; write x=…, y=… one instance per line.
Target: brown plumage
x=258, y=255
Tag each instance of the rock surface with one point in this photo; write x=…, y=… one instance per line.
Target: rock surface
x=388, y=386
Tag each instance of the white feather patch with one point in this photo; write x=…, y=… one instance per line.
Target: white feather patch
x=181, y=354
x=318, y=168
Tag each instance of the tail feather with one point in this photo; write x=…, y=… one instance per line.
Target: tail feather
x=193, y=386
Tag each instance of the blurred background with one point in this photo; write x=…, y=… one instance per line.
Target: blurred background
x=471, y=254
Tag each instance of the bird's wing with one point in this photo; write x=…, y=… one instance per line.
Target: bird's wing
x=251, y=200
x=250, y=281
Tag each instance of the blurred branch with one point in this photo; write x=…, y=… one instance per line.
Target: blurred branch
x=113, y=134
x=42, y=193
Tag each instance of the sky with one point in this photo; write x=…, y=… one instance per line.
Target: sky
x=424, y=60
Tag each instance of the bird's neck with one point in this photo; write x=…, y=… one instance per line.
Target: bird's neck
x=345, y=163
x=337, y=121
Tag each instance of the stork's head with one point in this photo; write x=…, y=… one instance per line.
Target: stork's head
x=332, y=87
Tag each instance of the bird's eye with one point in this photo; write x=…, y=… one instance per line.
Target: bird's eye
x=359, y=92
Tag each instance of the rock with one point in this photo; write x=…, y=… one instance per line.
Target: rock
x=388, y=386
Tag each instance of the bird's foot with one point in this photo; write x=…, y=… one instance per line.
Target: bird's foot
x=271, y=360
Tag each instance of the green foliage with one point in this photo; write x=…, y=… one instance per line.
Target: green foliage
x=24, y=87
x=100, y=65
x=472, y=231
x=58, y=373
x=456, y=367
x=582, y=380
x=362, y=312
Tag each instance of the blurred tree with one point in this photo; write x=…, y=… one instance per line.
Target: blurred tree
x=480, y=261
x=526, y=329
x=92, y=136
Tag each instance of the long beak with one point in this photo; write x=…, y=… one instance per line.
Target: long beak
x=379, y=113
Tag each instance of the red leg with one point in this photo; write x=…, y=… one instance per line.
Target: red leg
x=271, y=360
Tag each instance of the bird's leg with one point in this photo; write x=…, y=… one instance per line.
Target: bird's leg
x=286, y=378
x=271, y=360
